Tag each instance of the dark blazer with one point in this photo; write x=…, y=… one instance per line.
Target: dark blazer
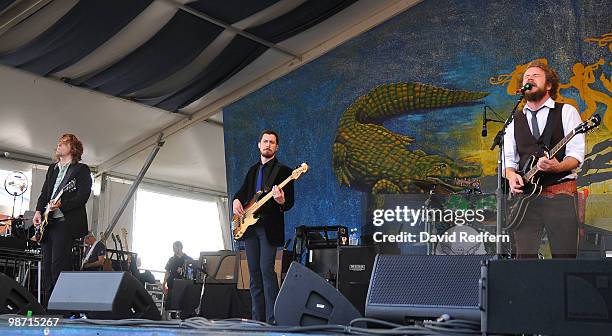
x=73, y=200
x=271, y=214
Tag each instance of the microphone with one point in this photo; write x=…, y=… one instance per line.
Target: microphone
x=524, y=88
x=484, y=122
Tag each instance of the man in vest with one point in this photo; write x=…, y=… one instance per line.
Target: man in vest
x=543, y=122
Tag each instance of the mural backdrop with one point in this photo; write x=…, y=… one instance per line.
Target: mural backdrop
x=399, y=108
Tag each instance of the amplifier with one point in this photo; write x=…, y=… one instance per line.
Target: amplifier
x=324, y=261
x=354, y=270
x=12, y=243
x=322, y=236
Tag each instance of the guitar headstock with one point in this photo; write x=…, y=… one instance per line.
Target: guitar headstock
x=124, y=235
x=297, y=172
x=588, y=125
x=70, y=186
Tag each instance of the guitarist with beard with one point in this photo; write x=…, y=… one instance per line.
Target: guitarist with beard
x=67, y=218
x=541, y=124
x=262, y=239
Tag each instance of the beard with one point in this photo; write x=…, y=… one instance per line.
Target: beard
x=267, y=153
x=536, y=94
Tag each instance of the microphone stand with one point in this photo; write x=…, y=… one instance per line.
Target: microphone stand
x=499, y=141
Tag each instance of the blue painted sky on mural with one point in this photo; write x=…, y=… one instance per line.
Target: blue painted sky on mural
x=452, y=44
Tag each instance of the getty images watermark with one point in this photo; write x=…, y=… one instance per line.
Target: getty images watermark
x=413, y=216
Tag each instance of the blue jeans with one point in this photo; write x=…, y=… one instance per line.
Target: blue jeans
x=264, y=283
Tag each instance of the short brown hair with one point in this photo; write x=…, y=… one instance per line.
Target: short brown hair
x=551, y=76
x=267, y=131
x=76, y=146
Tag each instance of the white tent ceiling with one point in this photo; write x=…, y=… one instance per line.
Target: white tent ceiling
x=118, y=133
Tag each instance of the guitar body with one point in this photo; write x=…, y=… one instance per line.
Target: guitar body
x=518, y=204
x=39, y=234
x=108, y=265
x=242, y=223
x=40, y=231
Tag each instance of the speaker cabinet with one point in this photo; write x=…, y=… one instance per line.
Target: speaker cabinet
x=306, y=299
x=102, y=295
x=220, y=266
x=354, y=271
x=324, y=261
x=551, y=297
x=409, y=287
x=15, y=299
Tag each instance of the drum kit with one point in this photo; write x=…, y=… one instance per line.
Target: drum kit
x=474, y=200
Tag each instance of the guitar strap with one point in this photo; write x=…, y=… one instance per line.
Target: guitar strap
x=91, y=248
x=72, y=170
x=272, y=176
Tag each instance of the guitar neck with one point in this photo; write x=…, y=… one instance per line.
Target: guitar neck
x=552, y=152
x=267, y=197
x=59, y=195
x=54, y=200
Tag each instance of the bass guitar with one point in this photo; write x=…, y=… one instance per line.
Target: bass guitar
x=40, y=230
x=242, y=223
x=518, y=204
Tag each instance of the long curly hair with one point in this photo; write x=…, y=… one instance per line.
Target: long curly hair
x=76, y=147
x=552, y=77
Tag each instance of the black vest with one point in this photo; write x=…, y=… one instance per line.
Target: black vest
x=527, y=144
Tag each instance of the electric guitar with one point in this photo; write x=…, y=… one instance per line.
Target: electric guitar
x=519, y=203
x=242, y=223
x=40, y=230
x=124, y=235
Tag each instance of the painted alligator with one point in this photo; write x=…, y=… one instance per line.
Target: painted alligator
x=369, y=157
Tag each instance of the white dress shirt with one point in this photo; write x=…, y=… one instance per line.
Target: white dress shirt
x=570, y=118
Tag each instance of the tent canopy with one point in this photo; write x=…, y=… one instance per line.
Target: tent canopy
x=118, y=73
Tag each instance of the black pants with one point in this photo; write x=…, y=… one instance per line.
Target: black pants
x=56, y=253
x=558, y=215
x=264, y=282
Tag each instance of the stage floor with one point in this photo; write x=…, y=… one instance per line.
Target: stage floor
x=202, y=326
x=112, y=331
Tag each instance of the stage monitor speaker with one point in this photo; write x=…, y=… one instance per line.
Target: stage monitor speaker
x=571, y=297
x=15, y=299
x=306, y=299
x=102, y=295
x=413, y=287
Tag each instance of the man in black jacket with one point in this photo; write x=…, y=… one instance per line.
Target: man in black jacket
x=262, y=238
x=67, y=219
